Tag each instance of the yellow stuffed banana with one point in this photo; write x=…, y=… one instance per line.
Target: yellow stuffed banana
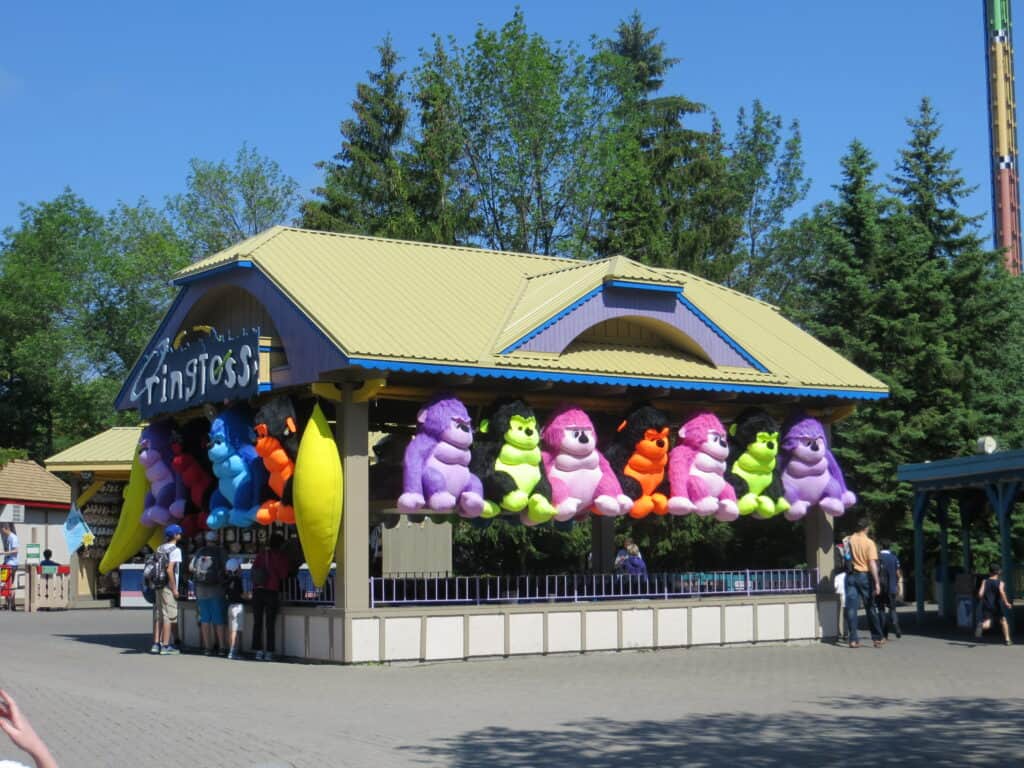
x=316, y=495
x=130, y=534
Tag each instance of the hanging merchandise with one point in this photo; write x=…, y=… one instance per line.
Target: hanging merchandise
x=810, y=473
x=317, y=495
x=191, y=463
x=506, y=457
x=639, y=457
x=580, y=476
x=239, y=470
x=277, y=444
x=753, y=471
x=436, y=472
x=131, y=534
x=696, y=470
x=166, y=497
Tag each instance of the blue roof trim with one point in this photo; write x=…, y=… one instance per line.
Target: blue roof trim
x=541, y=328
x=265, y=386
x=582, y=378
x=722, y=334
x=635, y=286
x=244, y=264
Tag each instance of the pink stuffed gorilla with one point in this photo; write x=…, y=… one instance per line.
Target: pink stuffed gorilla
x=580, y=476
x=696, y=470
x=810, y=473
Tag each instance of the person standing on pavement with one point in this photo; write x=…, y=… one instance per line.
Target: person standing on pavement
x=992, y=595
x=10, y=559
x=207, y=569
x=889, y=571
x=165, y=604
x=269, y=570
x=862, y=584
x=235, y=597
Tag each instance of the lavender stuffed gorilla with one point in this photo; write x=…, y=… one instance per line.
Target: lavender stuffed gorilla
x=165, y=498
x=436, y=468
x=239, y=470
x=810, y=473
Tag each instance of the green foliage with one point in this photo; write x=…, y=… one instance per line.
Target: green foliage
x=6, y=454
x=225, y=204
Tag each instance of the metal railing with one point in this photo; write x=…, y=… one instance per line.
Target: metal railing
x=481, y=590
x=295, y=590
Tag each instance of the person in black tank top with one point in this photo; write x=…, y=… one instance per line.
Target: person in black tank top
x=994, y=604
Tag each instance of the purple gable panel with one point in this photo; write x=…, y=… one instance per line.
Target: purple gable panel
x=308, y=350
x=611, y=303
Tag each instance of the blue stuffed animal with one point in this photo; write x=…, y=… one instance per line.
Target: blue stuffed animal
x=239, y=470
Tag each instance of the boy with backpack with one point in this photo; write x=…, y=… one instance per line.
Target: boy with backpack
x=207, y=569
x=160, y=574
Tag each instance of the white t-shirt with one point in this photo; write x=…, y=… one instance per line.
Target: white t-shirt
x=12, y=543
x=174, y=555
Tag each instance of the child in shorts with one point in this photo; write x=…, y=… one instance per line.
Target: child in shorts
x=236, y=609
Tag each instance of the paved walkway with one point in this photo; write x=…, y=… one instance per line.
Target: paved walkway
x=87, y=683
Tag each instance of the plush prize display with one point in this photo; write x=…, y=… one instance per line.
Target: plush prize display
x=506, y=457
x=810, y=473
x=317, y=493
x=193, y=467
x=165, y=499
x=696, y=470
x=277, y=443
x=435, y=471
x=639, y=456
x=580, y=476
x=753, y=449
x=238, y=468
x=131, y=533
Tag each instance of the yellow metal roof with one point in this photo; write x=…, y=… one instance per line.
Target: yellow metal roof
x=405, y=302
x=113, y=450
x=25, y=481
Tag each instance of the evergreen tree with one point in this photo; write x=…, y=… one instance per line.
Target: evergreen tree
x=365, y=190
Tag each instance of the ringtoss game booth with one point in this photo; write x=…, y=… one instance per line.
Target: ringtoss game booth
x=369, y=330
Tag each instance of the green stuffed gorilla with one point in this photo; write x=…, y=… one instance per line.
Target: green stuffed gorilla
x=753, y=448
x=507, y=458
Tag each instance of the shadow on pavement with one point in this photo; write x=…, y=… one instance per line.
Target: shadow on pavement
x=128, y=642
x=936, y=732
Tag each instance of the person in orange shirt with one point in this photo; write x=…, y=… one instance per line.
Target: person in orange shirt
x=862, y=584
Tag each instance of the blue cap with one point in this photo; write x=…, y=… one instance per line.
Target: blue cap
x=173, y=530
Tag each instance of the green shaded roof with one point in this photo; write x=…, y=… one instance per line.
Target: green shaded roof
x=110, y=451
x=404, y=302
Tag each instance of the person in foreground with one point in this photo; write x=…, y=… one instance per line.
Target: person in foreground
x=992, y=595
x=863, y=584
x=21, y=732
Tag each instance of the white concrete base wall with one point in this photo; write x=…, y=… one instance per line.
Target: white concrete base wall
x=472, y=632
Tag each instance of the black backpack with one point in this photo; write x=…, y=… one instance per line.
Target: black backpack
x=208, y=567
x=154, y=571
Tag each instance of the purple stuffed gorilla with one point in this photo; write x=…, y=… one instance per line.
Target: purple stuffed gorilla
x=165, y=498
x=436, y=468
x=240, y=473
x=810, y=473
x=581, y=478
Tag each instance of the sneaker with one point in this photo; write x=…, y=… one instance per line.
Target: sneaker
x=169, y=650
x=978, y=630
x=155, y=648
x=1009, y=642
x=268, y=656
x=208, y=652
x=233, y=656
x=259, y=655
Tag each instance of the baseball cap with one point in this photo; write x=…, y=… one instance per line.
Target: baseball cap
x=233, y=564
x=211, y=536
x=173, y=530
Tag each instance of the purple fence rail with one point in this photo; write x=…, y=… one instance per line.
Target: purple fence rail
x=480, y=590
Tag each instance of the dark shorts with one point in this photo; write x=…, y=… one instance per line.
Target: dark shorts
x=212, y=610
x=990, y=612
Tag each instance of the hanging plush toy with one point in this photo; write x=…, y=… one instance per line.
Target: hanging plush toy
x=696, y=470
x=639, y=457
x=580, y=476
x=810, y=473
x=506, y=457
x=166, y=496
x=238, y=468
x=754, y=446
x=277, y=443
x=436, y=467
x=192, y=466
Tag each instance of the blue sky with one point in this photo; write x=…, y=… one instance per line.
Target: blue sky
x=113, y=98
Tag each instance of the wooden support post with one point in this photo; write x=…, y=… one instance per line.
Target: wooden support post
x=1003, y=497
x=352, y=433
x=602, y=544
x=920, y=508
x=819, y=536
x=942, y=504
x=968, y=504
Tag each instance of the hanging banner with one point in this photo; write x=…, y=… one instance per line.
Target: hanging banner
x=208, y=370
x=76, y=531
